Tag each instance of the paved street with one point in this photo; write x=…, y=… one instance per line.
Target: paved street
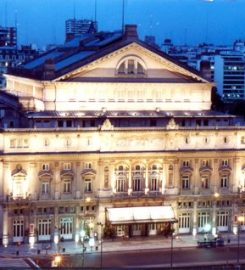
x=153, y=258
x=133, y=253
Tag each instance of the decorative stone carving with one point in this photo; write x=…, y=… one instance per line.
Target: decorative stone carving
x=172, y=124
x=107, y=125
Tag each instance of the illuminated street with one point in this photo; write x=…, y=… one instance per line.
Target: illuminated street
x=152, y=258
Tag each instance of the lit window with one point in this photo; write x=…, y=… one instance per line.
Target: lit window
x=131, y=66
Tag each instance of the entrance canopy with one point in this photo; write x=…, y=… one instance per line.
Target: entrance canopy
x=146, y=214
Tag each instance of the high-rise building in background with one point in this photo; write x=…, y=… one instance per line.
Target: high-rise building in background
x=229, y=75
x=76, y=27
x=8, y=36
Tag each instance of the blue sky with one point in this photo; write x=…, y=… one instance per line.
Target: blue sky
x=184, y=21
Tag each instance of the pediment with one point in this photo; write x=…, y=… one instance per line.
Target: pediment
x=159, y=66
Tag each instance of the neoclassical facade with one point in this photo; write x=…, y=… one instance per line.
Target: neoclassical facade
x=117, y=133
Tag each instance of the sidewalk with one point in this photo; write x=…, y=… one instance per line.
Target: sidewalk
x=117, y=245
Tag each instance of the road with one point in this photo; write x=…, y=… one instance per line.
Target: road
x=152, y=258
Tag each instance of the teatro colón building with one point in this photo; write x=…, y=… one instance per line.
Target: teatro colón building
x=111, y=136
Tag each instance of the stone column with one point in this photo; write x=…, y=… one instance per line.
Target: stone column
x=196, y=185
x=7, y=186
x=77, y=180
x=5, y=227
x=100, y=176
x=57, y=181
x=195, y=225
x=77, y=224
x=146, y=179
x=176, y=176
x=235, y=177
x=112, y=177
x=130, y=190
x=215, y=176
x=164, y=177
x=214, y=214
x=33, y=183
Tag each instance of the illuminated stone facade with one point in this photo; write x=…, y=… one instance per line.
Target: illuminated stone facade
x=128, y=128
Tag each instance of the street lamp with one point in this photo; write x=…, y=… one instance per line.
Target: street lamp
x=57, y=260
x=101, y=244
x=82, y=234
x=240, y=219
x=172, y=242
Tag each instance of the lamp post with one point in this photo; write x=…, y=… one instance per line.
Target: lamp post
x=101, y=245
x=172, y=242
x=82, y=234
x=240, y=219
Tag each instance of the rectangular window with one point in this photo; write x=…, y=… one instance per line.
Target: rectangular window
x=45, y=187
x=67, y=186
x=186, y=163
x=170, y=179
x=88, y=185
x=203, y=219
x=18, y=228
x=222, y=219
x=225, y=162
x=136, y=184
x=185, y=182
x=205, y=163
x=154, y=184
x=66, y=225
x=120, y=185
x=45, y=167
x=87, y=165
x=205, y=182
x=44, y=227
x=184, y=221
x=67, y=166
x=224, y=181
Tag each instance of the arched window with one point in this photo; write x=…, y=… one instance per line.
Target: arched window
x=131, y=66
x=138, y=178
x=155, y=177
x=121, y=178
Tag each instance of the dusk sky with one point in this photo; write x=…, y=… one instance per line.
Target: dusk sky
x=184, y=21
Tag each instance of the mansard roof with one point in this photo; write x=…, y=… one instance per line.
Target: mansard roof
x=58, y=62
